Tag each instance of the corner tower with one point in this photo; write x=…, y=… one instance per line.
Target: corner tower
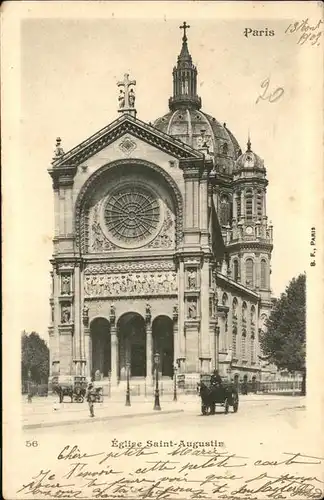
x=251, y=245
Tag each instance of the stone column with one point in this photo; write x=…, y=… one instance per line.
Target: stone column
x=113, y=347
x=264, y=203
x=254, y=203
x=86, y=342
x=181, y=319
x=87, y=345
x=55, y=356
x=149, y=344
x=242, y=205
x=235, y=206
x=175, y=317
x=56, y=212
x=216, y=355
x=77, y=347
x=203, y=208
x=204, y=354
x=114, y=354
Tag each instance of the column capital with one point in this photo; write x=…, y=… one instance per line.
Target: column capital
x=192, y=168
x=62, y=175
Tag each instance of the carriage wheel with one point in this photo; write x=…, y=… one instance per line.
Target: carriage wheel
x=226, y=405
x=80, y=399
x=204, y=409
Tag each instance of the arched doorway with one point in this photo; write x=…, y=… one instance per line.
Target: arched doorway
x=162, y=330
x=101, y=347
x=132, y=345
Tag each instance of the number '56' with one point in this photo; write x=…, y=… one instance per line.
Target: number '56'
x=30, y=444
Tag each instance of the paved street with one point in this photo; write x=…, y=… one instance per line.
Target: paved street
x=263, y=416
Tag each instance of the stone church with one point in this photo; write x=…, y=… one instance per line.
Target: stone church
x=162, y=245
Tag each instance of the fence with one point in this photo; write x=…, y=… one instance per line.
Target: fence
x=184, y=386
x=34, y=389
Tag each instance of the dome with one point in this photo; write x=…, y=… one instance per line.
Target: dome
x=188, y=123
x=194, y=127
x=249, y=160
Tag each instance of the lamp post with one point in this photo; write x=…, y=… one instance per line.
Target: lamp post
x=157, y=392
x=28, y=382
x=175, y=398
x=128, y=403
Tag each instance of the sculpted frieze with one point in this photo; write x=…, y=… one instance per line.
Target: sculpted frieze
x=129, y=267
x=131, y=284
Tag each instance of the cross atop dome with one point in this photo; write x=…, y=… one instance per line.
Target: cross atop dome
x=184, y=27
x=184, y=78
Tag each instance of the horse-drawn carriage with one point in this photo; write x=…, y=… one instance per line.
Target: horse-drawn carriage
x=224, y=394
x=74, y=387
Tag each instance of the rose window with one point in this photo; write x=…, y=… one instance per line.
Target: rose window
x=132, y=214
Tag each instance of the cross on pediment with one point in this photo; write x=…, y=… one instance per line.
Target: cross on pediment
x=184, y=27
x=126, y=96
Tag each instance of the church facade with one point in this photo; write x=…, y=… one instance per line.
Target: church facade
x=162, y=245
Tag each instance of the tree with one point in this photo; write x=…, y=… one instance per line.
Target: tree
x=284, y=341
x=34, y=358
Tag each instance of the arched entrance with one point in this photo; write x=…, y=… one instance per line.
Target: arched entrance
x=101, y=347
x=162, y=330
x=132, y=345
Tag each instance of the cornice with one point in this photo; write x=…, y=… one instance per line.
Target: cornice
x=237, y=286
x=62, y=176
x=116, y=129
x=248, y=245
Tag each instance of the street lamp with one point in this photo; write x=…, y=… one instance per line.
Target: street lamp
x=175, y=382
x=157, y=392
x=128, y=403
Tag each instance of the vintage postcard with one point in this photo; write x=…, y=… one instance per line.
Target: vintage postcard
x=163, y=250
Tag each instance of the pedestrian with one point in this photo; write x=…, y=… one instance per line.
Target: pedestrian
x=91, y=398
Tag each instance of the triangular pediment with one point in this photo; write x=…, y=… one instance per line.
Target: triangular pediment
x=126, y=124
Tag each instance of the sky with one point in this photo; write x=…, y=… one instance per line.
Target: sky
x=69, y=68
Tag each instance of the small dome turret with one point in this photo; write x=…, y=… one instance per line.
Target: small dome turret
x=249, y=160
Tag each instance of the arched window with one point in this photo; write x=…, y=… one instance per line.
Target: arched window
x=238, y=205
x=248, y=204
x=252, y=349
x=249, y=272
x=259, y=203
x=225, y=210
x=225, y=148
x=234, y=344
x=243, y=344
x=244, y=312
x=234, y=307
x=235, y=270
x=252, y=315
x=264, y=274
x=225, y=299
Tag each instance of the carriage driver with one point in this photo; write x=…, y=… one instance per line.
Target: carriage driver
x=215, y=379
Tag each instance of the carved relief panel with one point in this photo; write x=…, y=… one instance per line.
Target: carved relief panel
x=130, y=284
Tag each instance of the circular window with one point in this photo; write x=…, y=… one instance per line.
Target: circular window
x=132, y=215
